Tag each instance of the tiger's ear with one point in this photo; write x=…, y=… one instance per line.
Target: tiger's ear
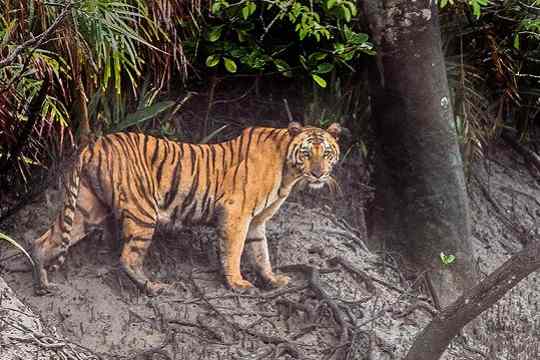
x=295, y=128
x=335, y=130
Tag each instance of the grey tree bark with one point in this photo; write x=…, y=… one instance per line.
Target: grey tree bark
x=421, y=202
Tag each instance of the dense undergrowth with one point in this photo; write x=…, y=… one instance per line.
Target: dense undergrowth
x=180, y=68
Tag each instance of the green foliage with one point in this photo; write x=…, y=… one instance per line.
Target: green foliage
x=102, y=47
x=292, y=38
x=475, y=5
x=447, y=259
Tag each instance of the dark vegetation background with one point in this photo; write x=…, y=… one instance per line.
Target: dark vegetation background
x=200, y=71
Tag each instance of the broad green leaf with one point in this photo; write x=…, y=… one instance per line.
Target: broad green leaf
x=215, y=33
x=359, y=38
x=245, y=12
x=317, y=56
x=324, y=68
x=319, y=80
x=516, y=41
x=330, y=4
x=216, y=6
x=346, y=13
x=281, y=65
x=142, y=115
x=352, y=7
x=212, y=60
x=252, y=8
x=230, y=65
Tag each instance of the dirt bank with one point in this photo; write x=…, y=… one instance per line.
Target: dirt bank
x=344, y=302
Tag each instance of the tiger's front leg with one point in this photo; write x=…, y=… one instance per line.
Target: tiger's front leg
x=232, y=236
x=258, y=250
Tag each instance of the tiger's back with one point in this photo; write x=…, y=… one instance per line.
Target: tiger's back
x=138, y=182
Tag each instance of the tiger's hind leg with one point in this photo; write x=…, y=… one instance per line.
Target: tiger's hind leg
x=68, y=229
x=138, y=235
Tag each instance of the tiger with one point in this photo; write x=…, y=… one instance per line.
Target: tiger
x=141, y=182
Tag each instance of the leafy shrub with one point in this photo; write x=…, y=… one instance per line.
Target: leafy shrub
x=292, y=38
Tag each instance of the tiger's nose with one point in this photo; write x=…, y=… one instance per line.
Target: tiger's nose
x=317, y=173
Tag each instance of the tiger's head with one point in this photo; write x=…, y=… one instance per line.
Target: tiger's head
x=313, y=152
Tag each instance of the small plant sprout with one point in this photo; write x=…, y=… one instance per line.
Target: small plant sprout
x=447, y=259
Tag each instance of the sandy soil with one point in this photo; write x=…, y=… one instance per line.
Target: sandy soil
x=99, y=308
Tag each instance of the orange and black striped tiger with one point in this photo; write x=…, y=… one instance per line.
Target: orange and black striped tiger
x=144, y=181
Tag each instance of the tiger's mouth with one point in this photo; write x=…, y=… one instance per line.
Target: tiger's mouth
x=317, y=182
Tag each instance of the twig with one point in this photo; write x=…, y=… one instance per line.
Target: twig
x=288, y=110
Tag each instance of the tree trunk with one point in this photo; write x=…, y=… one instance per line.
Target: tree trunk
x=421, y=201
x=434, y=339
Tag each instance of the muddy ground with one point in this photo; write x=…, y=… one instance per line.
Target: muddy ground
x=344, y=301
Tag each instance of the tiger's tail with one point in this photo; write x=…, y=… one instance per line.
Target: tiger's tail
x=56, y=240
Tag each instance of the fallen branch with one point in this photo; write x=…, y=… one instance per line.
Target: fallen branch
x=434, y=339
x=314, y=279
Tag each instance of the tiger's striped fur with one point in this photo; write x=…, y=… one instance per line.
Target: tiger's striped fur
x=139, y=181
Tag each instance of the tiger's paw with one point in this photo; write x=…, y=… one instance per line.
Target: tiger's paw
x=279, y=280
x=239, y=284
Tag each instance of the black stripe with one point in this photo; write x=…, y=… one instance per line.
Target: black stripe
x=188, y=200
x=231, y=152
x=144, y=177
x=213, y=153
x=175, y=185
x=174, y=216
x=68, y=220
x=252, y=240
x=276, y=134
x=161, y=164
x=270, y=133
x=260, y=135
x=205, y=187
x=147, y=223
x=246, y=169
x=83, y=211
x=155, y=154
x=192, y=157
x=145, y=146
x=254, y=207
x=223, y=164
x=238, y=163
